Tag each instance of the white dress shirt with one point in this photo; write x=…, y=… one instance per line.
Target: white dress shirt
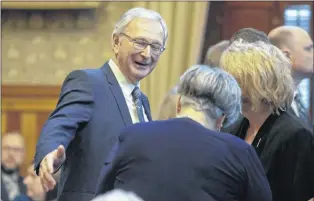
x=127, y=88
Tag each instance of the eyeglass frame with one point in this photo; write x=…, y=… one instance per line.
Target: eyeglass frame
x=134, y=42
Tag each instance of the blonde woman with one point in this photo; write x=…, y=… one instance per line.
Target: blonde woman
x=284, y=145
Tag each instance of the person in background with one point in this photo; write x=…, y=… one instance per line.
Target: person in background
x=34, y=189
x=250, y=35
x=214, y=53
x=297, y=45
x=167, y=108
x=284, y=145
x=12, y=157
x=96, y=104
x=187, y=158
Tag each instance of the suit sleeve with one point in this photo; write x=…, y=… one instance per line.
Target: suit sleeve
x=257, y=187
x=73, y=111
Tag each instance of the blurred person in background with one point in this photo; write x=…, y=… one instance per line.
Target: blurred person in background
x=167, y=108
x=34, y=189
x=186, y=158
x=249, y=35
x=214, y=53
x=297, y=45
x=284, y=145
x=12, y=157
x=96, y=104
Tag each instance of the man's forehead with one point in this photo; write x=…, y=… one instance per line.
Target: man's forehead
x=147, y=28
x=303, y=37
x=12, y=139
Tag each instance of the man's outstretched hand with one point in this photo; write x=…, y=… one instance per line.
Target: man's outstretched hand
x=49, y=165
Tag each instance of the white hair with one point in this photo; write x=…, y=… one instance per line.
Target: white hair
x=211, y=90
x=138, y=12
x=118, y=195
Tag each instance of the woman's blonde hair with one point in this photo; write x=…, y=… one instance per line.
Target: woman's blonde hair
x=263, y=73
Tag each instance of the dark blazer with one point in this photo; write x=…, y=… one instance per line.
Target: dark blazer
x=180, y=160
x=4, y=192
x=90, y=114
x=285, y=146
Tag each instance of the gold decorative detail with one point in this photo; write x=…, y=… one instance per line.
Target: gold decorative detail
x=42, y=56
x=78, y=60
x=37, y=39
x=4, y=121
x=90, y=57
x=84, y=40
x=60, y=73
x=18, y=104
x=13, y=72
x=31, y=59
x=60, y=54
x=13, y=53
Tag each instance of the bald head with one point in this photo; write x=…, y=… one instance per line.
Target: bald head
x=297, y=45
x=284, y=36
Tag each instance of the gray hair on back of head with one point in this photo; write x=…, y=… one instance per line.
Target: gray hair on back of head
x=139, y=12
x=118, y=195
x=211, y=90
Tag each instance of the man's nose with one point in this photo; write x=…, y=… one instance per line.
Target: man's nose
x=147, y=52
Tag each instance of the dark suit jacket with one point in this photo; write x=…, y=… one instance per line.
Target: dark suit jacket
x=286, y=148
x=90, y=114
x=4, y=192
x=180, y=160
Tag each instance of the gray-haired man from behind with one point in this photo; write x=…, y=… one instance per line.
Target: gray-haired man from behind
x=187, y=158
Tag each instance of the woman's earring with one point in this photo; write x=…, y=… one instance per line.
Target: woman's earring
x=218, y=128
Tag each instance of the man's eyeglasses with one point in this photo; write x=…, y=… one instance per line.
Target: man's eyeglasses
x=141, y=44
x=13, y=149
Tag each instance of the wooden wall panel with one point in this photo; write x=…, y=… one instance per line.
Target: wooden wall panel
x=4, y=120
x=41, y=120
x=258, y=15
x=30, y=132
x=13, y=120
x=25, y=109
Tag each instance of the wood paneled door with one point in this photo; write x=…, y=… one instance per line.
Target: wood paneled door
x=25, y=109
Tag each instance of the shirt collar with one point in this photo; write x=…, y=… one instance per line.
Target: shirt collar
x=126, y=85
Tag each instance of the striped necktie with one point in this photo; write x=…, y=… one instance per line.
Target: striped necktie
x=137, y=98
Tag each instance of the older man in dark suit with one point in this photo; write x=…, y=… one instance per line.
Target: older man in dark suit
x=96, y=104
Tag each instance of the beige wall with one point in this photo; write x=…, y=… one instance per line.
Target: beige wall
x=42, y=48
x=44, y=52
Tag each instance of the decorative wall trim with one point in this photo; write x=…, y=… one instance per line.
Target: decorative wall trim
x=49, y=5
x=30, y=91
x=29, y=98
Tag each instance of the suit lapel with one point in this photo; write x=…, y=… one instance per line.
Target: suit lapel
x=118, y=95
x=146, y=107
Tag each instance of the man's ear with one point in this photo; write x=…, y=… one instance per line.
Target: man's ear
x=179, y=105
x=287, y=52
x=220, y=122
x=115, y=43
